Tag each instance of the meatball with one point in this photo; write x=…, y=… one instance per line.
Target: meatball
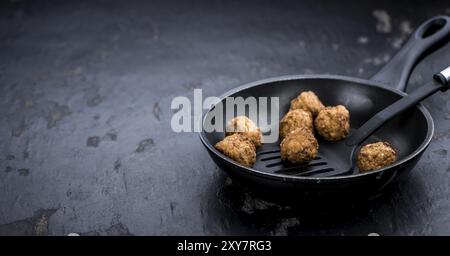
x=308, y=101
x=239, y=148
x=333, y=123
x=246, y=127
x=375, y=156
x=294, y=119
x=299, y=146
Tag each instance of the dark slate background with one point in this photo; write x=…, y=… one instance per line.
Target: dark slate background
x=85, y=93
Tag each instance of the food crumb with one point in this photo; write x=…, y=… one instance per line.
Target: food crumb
x=363, y=40
x=23, y=172
x=383, y=21
x=93, y=141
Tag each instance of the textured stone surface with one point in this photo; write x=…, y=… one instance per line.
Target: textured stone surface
x=85, y=92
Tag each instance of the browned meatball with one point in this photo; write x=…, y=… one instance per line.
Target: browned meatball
x=308, y=101
x=375, y=156
x=239, y=148
x=246, y=127
x=333, y=123
x=294, y=119
x=299, y=146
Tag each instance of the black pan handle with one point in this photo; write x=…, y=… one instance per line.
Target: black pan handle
x=441, y=82
x=423, y=41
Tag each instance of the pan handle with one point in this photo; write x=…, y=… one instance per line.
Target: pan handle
x=428, y=37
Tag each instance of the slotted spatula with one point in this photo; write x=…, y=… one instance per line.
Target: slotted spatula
x=339, y=158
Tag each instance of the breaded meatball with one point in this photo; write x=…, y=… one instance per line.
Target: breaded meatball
x=299, y=146
x=375, y=156
x=239, y=148
x=333, y=123
x=294, y=119
x=246, y=127
x=308, y=101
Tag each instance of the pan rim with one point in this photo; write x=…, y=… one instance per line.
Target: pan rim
x=284, y=178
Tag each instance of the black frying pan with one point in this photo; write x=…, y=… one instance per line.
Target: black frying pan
x=409, y=132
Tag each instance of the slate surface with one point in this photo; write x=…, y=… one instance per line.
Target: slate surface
x=85, y=114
